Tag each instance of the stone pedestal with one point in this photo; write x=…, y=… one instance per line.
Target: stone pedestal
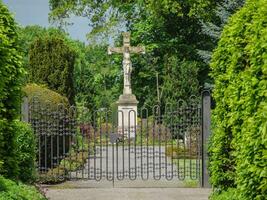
x=127, y=115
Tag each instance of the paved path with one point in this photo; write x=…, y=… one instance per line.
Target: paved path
x=148, y=163
x=129, y=194
x=137, y=162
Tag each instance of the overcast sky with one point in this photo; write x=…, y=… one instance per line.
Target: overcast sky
x=35, y=12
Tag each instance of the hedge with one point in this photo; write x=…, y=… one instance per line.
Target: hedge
x=10, y=86
x=25, y=151
x=238, y=147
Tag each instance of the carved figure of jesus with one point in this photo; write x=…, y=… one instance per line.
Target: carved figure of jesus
x=126, y=49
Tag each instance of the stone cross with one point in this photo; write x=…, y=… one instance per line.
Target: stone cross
x=126, y=50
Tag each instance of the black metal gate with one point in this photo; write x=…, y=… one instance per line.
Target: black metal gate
x=76, y=144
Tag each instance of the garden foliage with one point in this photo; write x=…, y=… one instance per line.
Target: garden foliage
x=10, y=190
x=10, y=85
x=51, y=62
x=238, y=147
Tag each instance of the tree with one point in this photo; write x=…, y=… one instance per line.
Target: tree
x=51, y=62
x=167, y=29
x=214, y=27
x=98, y=78
x=28, y=34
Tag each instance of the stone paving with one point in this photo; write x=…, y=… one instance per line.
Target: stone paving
x=128, y=194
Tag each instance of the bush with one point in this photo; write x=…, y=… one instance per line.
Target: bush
x=24, y=152
x=10, y=190
x=238, y=146
x=26, y=144
x=73, y=162
x=44, y=96
x=51, y=62
x=10, y=86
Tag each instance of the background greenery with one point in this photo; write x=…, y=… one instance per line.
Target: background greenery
x=171, y=33
x=176, y=34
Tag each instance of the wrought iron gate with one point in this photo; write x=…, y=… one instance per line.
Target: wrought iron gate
x=74, y=143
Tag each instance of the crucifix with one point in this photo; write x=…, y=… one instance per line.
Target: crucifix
x=126, y=50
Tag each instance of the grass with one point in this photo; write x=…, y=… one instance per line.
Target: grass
x=188, y=168
x=184, y=167
x=190, y=183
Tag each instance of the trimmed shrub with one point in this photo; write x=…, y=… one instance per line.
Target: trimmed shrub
x=238, y=147
x=10, y=190
x=51, y=62
x=26, y=146
x=10, y=86
x=44, y=96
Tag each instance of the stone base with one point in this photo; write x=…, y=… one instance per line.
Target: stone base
x=127, y=115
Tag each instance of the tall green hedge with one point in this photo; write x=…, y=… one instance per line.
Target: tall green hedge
x=25, y=151
x=51, y=62
x=10, y=85
x=238, y=147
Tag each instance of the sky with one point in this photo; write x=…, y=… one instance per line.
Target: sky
x=35, y=12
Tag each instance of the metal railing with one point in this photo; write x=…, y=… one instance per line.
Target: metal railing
x=164, y=144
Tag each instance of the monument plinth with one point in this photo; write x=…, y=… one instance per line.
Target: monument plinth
x=127, y=103
x=127, y=115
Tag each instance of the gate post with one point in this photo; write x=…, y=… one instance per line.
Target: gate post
x=206, y=131
x=25, y=110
